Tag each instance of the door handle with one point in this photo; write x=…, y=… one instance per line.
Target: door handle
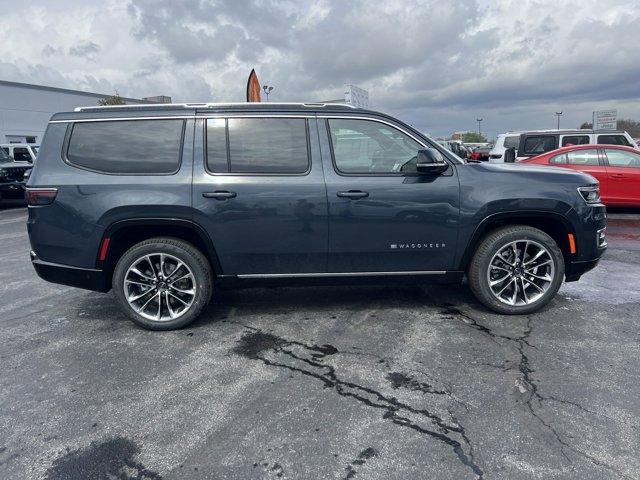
x=353, y=194
x=617, y=175
x=219, y=195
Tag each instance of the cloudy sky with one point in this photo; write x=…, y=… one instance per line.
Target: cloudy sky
x=433, y=63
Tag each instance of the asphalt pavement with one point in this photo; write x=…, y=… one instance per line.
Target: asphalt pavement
x=366, y=382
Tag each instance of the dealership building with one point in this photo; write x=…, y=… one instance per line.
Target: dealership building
x=25, y=109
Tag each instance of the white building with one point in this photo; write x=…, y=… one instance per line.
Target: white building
x=25, y=109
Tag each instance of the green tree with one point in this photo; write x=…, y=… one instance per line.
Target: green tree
x=115, y=99
x=473, y=137
x=586, y=125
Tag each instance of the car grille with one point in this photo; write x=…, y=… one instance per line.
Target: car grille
x=15, y=174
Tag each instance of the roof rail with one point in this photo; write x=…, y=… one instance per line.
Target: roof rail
x=208, y=105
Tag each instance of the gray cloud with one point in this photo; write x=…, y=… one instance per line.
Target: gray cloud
x=437, y=64
x=86, y=50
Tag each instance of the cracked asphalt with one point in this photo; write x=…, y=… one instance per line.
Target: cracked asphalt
x=364, y=382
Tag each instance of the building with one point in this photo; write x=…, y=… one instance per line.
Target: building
x=25, y=109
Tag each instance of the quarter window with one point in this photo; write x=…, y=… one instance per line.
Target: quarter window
x=257, y=145
x=620, y=158
x=512, y=141
x=127, y=146
x=365, y=146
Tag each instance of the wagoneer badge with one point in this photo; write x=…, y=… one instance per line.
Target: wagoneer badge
x=416, y=246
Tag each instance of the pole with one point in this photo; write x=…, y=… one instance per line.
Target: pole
x=558, y=114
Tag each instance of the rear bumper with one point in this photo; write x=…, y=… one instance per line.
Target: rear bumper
x=88, y=279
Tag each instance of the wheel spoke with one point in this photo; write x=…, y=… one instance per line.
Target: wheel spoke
x=141, y=309
x=534, y=258
x=177, y=298
x=178, y=267
x=172, y=314
x=514, y=298
x=159, y=314
x=524, y=291
x=179, y=290
x=540, y=289
x=501, y=268
x=545, y=278
x=137, y=282
x=140, y=295
x=153, y=268
x=538, y=265
x=493, y=283
x=140, y=274
x=505, y=260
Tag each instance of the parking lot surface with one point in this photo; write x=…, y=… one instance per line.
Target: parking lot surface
x=366, y=382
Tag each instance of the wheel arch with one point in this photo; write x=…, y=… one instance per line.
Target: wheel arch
x=123, y=234
x=553, y=224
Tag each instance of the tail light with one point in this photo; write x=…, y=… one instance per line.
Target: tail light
x=41, y=196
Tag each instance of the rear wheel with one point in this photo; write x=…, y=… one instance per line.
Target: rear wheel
x=162, y=283
x=516, y=270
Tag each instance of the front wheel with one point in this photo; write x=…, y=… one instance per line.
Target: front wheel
x=516, y=270
x=162, y=283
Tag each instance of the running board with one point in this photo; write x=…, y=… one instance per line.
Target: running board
x=337, y=274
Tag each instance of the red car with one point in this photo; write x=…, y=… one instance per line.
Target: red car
x=616, y=167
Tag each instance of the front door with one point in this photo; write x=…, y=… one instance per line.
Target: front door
x=383, y=215
x=259, y=192
x=623, y=170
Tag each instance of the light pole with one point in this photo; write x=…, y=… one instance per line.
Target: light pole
x=479, y=120
x=267, y=90
x=558, y=114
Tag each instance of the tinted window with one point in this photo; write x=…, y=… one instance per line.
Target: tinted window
x=364, y=146
x=613, y=140
x=129, y=146
x=21, y=154
x=575, y=140
x=217, y=145
x=539, y=144
x=620, y=158
x=512, y=141
x=3, y=155
x=268, y=145
x=583, y=157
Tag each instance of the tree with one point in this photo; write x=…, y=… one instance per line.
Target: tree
x=632, y=127
x=473, y=137
x=115, y=99
x=587, y=125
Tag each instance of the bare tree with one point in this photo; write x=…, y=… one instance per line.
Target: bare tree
x=115, y=99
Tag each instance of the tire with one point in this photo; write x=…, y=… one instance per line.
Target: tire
x=184, y=286
x=498, y=250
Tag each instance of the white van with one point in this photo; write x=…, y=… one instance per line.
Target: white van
x=504, y=141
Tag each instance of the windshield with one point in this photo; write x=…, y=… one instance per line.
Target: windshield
x=3, y=156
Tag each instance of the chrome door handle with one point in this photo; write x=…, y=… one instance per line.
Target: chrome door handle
x=219, y=195
x=353, y=194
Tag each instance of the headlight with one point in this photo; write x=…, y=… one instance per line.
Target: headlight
x=590, y=194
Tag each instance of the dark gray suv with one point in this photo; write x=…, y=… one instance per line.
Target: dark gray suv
x=164, y=203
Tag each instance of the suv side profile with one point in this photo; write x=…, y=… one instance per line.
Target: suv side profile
x=164, y=203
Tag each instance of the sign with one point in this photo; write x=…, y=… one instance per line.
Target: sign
x=605, y=119
x=356, y=96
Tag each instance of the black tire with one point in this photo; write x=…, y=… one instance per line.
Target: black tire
x=200, y=281
x=496, y=241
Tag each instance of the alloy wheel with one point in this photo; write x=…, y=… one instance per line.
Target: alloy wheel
x=159, y=287
x=521, y=272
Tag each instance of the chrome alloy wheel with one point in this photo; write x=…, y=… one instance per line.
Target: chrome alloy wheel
x=521, y=272
x=160, y=287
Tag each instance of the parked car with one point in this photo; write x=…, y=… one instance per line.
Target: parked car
x=503, y=142
x=536, y=143
x=21, y=152
x=616, y=167
x=163, y=203
x=12, y=181
x=457, y=147
x=481, y=154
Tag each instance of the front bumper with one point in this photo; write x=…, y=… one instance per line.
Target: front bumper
x=591, y=242
x=88, y=279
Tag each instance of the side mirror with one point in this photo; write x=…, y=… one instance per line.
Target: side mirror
x=430, y=161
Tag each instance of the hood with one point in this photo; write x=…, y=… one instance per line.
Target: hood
x=521, y=170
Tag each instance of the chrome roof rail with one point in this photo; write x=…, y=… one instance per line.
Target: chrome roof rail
x=152, y=106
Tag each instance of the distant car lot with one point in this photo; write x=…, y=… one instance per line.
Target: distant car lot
x=373, y=382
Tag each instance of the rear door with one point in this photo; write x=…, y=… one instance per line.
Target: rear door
x=575, y=139
x=383, y=215
x=623, y=170
x=258, y=190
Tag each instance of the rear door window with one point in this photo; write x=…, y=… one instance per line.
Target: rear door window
x=612, y=139
x=127, y=146
x=575, y=140
x=258, y=146
x=537, y=144
x=583, y=157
